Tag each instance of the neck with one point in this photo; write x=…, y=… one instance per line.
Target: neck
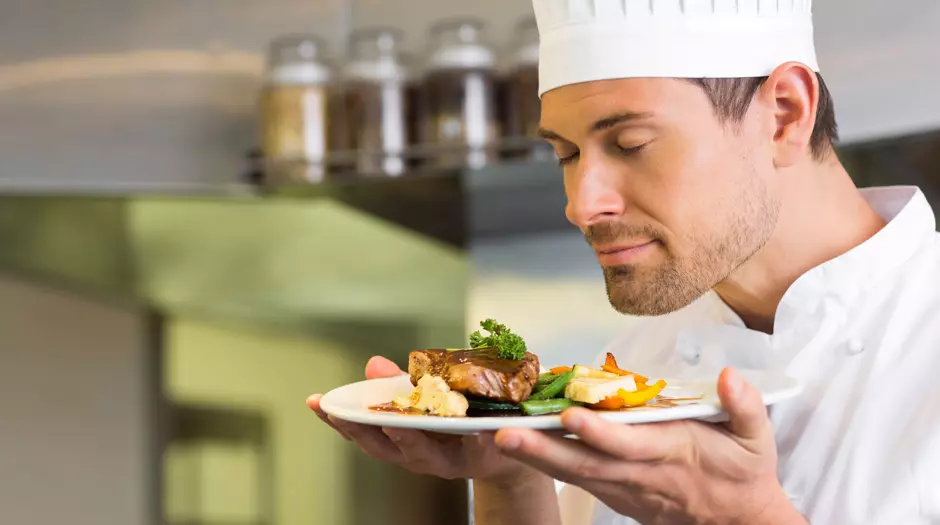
x=822, y=216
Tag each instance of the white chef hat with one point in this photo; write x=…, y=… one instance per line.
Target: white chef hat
x=586, y=40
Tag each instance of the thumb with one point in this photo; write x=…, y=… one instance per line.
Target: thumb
x=744, y=405
x=379, y=367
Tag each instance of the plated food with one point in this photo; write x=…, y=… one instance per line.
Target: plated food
x=473, y=390
x=497, y=375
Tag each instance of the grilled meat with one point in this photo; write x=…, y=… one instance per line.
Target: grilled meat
x=478, y=372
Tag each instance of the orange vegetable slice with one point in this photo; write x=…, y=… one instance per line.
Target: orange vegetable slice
x=560, y=370
x=611, y=403
x=610, y=365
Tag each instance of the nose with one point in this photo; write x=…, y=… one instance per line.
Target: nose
x=594, y=193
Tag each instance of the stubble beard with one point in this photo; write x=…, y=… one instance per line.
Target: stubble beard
x=679, y=281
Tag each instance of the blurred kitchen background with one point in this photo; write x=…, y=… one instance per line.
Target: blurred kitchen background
x=210, y=209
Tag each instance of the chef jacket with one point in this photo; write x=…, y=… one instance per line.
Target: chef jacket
x=861, y=333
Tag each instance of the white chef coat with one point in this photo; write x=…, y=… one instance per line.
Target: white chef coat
x=861, y=444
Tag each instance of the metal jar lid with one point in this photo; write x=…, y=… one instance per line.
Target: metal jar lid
x=460, y=44
x=298, y=59
x=376, y=56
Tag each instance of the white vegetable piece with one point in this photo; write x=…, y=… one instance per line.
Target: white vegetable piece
x=596, y=389
x=586, y=371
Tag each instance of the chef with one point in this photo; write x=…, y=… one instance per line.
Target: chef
x=696, y=139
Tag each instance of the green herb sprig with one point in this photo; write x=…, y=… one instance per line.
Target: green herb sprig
x=508, y=344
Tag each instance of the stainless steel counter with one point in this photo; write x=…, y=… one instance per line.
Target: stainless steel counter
x=234, y=257
x=382, y=249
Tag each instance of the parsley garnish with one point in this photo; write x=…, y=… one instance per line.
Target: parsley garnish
x=508, y=344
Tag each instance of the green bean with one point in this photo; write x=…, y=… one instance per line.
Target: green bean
x=543, y=381
x=556, y=387
x=547, y=406
x=545, y=378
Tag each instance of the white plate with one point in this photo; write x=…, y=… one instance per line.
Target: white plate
x=352, y=402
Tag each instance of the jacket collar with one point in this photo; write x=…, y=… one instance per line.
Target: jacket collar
x=910, y=226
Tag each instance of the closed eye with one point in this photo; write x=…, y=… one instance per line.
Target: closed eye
x=564, y=161
x=627, y=152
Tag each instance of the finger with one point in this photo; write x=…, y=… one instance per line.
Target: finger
x=445, y=439
x=563, y=459
x=379, y=367
x=371, y=440
x=638, y=443
x=313, y=402
x=420, y=450
x=746, y=410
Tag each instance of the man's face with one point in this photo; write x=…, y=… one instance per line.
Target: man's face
x=671, y=199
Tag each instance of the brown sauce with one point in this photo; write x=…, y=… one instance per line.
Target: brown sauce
x=485, y=357
x=657, y=403
x=665, y=402
x=390, y=407
x=679, y=399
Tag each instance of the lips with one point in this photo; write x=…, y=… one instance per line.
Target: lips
x=618, y=255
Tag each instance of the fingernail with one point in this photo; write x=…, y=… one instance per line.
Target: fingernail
x=510, y=442
x=735, y=381
x=574, y=422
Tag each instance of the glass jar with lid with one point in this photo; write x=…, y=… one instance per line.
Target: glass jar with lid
x=376, y=78
x=300, y=108
x=459, y=118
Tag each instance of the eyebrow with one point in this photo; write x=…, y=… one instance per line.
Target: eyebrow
x=599, y=125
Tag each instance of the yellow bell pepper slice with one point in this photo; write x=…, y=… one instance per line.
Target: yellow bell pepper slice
x=641, y=397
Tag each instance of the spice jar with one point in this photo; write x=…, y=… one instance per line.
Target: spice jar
x=376, y=80
x=299, y=108
x=458, y=101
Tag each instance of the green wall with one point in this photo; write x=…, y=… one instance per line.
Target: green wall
x=273, y=373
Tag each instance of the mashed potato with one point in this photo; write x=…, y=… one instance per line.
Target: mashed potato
x=433, y=396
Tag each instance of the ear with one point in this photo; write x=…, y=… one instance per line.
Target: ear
x=792, y=94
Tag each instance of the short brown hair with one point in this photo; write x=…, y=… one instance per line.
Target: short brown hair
x=732, y=97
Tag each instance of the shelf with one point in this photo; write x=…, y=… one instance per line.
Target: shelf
x=457, y=206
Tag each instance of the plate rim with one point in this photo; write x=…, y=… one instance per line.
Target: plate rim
x=708, y=411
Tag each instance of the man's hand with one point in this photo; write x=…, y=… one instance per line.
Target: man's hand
x=442, y=455
x=505, y=491
x=670, y=473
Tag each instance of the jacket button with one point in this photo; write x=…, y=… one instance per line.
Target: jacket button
x=691, y=355
x=855, y=347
